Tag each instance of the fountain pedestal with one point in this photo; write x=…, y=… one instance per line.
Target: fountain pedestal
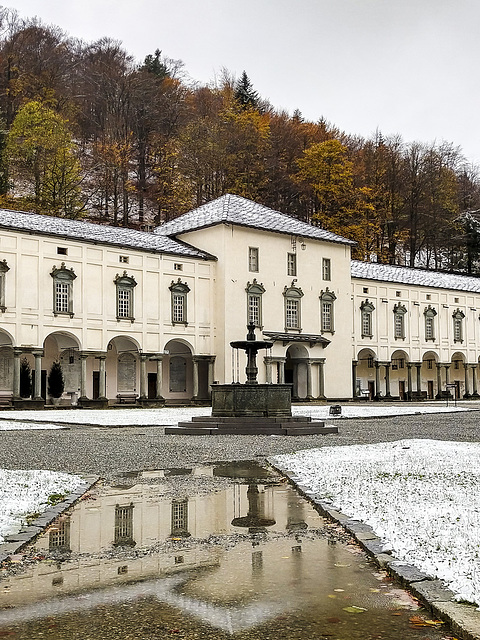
x=251, y=408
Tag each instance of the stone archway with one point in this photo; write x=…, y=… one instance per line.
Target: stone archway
x=65, y=348
x=458, y=376
x=364, y=374
x=122, y=368
x=400, y=375
x=297, y=371
x=430, y=374
x=6, y=364
x=178, y=371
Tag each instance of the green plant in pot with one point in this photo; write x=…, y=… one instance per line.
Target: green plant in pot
x=55, y=382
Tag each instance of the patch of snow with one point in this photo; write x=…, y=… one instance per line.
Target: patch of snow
x=26, y=492
x=420, y=496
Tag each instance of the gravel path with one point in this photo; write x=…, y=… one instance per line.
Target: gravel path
x=109, y=451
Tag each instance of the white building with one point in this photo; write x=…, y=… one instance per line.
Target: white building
x=149, y=317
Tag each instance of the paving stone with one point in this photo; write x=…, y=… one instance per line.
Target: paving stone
x=374, y=547
x=463, y=618
x=383, y=560
x=407, y=572
x=432, y=591
x=363, y=536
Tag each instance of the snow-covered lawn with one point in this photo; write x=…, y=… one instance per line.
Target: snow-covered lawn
x=421, y=496
x=167, y=416
x=26, y=492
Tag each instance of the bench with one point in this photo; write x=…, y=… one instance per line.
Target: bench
x=127, y=398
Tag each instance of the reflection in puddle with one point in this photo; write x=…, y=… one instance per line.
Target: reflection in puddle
x=249, y=558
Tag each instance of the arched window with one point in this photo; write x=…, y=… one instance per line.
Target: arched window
x=254, y=291
x=63, y=290
x=179, y=292
x=399, y=312
x=367, y=308
x=3, y=271
x=458, y=317
x=125, y=285
x=293, y=296
x=327, y=299
x=429, y=315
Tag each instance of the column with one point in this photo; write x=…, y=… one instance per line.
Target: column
x=387, y=379
x=143, y=376
x=378, y=392
x=16, y=373
x=195, y=377
x=211, y=374
x=354, y=378
x=37, y=392
x=101, y=378
x=268, y=369
x=83, y=376
x=418, y=365
x=309, y=379
x=281, y=370
x=474, y=381
x=321, y=378
x=447, y=373
x=409, y=380
x=158, y=390
x=467, y=387
x=439, y=381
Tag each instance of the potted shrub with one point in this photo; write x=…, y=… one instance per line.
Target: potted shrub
x=55, y=382
x=25, y=379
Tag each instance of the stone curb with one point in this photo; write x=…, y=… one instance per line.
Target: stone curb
x=15, y=542
x=464, y=619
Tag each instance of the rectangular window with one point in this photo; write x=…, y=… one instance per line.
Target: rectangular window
x=327, y=316
x=366, y=323
x=62, y=296
x=178, y=307
x=179, y=517
x=253, y=259
x=124, y=303
x=291, y=314
x=123, y=524
x=59, y=537
x=62, y=251
x=429, y=328
x=326, y=269
x=254, y=310
x=457, y=330
x=291, y=264
x=123, y=259
x=178, y=266
x=429, y=364
x=398, y=325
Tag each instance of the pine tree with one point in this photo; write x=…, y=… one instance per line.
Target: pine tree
x=56, y=383
x=245, y=94
x=25, y=379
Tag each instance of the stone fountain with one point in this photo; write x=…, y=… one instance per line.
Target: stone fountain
x=251, y=408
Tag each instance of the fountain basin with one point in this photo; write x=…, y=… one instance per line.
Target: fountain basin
x=251, y=400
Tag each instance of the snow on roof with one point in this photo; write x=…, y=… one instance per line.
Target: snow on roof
x=410, y=276
x=101, y=234
x=236, y=210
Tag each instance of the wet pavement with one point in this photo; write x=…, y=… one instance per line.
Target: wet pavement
x=158, y=554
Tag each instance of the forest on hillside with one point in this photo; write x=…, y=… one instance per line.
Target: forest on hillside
x=89, y=132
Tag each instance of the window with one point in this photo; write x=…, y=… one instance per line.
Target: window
x=326, y=269
x=458, y=317
x=179, y=518
x=429, y=314
x=254, y=302
x=179, y=291
x=428, y=296
x=59, y=536
x=365, y=289
x=62, y=290
x=398, y=294
x=429, y=364
x=178, y=266
x=125, y=285
x=123, y=259
x=3, y=272
x=293, y=296
x=370, y=362
x=124, y=525
x=62, y=251
x=253, y=259
x=327, y=299
x=399, y=312
x=456, y=300
x=291, y=264
x=367, y=309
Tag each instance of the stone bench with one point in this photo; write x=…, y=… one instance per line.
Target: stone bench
x=127, y=398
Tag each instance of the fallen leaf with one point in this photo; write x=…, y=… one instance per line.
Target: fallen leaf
x=337, y=564
x=333, y=620
x=330, y=595
x=354, y=609
x=339, y=590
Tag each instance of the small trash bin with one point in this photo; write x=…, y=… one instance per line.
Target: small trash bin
x=335, y=410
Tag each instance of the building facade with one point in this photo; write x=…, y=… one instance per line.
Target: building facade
x=141, y=317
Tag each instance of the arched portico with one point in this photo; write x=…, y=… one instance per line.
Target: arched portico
x=459, y=379
x=398, y=373
x=364, y=375
x=431, y=375
x=63, y=347
x=178, y=370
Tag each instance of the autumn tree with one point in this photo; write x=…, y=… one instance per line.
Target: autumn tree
x=41, y=156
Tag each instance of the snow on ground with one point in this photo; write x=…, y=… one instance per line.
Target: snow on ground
x=420, y=496
x=27, y=492
x=167, y=416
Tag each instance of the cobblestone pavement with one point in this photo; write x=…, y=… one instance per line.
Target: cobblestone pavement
x=108, y=451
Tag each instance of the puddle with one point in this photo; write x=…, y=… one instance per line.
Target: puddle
x=244, y=555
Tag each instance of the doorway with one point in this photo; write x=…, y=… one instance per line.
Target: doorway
x=401, y=390
x=430, y=389
x=152, y=386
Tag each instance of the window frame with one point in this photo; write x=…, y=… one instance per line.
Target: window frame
x=327, y=269
x=399, y=312
x=255, y=291
x=458, y=317
x=253, y=259
x=63, y=290
x=293, y=307
x=292, y=264
x=429, y=315
x=366, y=318
x=327, y=308
x=178, y=302
x=125, y=284
x=4, y=268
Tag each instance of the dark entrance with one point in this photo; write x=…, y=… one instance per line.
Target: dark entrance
x=430, y=389
x=401, y=390
x=152, y=386
x=371, y=389
x=96, y=385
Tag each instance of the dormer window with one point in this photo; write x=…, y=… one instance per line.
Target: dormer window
x=63, y=290
x=125, y=286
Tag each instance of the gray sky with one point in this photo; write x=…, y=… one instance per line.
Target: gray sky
x=404, y=66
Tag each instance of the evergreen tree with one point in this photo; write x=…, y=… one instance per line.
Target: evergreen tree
x=56, y=383
x=25, y=379
x=154, y=64
x=245, y=94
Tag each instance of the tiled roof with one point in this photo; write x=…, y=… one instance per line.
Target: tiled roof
x=240, y=211
x=409, y=276
x=101, y=234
